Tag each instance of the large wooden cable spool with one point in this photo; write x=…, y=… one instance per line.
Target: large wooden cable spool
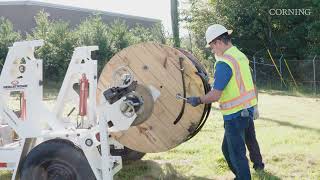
x=159, y=66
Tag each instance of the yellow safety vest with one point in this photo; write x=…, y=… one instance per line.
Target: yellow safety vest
x=239, y=92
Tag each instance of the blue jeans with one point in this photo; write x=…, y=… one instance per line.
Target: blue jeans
x=253, y=147
x=234, y=148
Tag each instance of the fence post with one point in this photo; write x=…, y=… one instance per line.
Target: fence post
x=254, y=69
x=314, y=76
x=280, y=62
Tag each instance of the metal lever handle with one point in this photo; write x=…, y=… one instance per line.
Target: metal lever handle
x=178, y=96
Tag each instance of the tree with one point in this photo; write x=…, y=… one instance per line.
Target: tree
x=197, y=17
x=142, y=34
x=60, y=41
x=7, y=37
x=120, y=35
x=58, y=48
x=256, y=30
x=93, y=31
x=158, y=34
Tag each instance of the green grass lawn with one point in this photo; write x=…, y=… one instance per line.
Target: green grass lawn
x=288, y=132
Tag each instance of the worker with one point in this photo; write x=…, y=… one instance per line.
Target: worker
x=234, y=89
x=251, y=139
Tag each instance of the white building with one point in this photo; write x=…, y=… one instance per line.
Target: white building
x=22, y=13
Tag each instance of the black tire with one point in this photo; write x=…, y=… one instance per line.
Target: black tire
x=56, y=159
x=127, y=154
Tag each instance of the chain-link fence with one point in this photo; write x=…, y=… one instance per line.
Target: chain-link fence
x=287, y=74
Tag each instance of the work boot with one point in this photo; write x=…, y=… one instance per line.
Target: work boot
x=259, y=167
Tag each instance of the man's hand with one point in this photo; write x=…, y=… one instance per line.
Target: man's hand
x=194, y=101
x=255, y=112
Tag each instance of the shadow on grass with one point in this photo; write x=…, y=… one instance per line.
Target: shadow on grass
x=282, y=123
x=151, y=170
x=265, y=175
x=292, y=93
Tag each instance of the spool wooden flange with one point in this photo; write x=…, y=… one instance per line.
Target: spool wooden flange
x=158, y=65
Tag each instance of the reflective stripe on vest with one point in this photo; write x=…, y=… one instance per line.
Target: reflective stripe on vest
x=241, y=100
x=245, y=96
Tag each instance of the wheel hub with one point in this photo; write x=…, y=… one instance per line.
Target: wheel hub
x=58, y=170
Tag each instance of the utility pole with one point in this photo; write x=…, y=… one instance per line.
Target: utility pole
x=175, y=22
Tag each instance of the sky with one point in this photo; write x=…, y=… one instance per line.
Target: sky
x=157, y=9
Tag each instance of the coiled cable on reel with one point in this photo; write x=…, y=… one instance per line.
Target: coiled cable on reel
x=205, y=80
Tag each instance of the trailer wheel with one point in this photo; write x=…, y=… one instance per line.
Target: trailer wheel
x=56, y=159
x=127, y=154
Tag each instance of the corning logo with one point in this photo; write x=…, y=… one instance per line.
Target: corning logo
x=290, y=12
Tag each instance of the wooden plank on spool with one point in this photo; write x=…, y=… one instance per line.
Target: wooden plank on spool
x=193, y=82
x=172, y=70
x=146, y=140
x=158, y=128
x=163, y=127
x=167, y=97
x=158, y=65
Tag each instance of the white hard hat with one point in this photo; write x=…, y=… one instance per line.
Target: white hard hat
x=214, y=31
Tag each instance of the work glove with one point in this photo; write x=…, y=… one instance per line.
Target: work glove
x=255, y=112
x=194, y=101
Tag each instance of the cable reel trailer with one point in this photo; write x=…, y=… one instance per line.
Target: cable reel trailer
x=124, y=113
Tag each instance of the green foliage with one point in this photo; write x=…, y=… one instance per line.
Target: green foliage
x=120, y=35
x=93, y=31
x=7, y=37
x=313, y=37
x=158, y=34
x=59, y=45
x=142, y=34
x=60, y=40
x=113, y=38
x=197, y=18
x=255, y=30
